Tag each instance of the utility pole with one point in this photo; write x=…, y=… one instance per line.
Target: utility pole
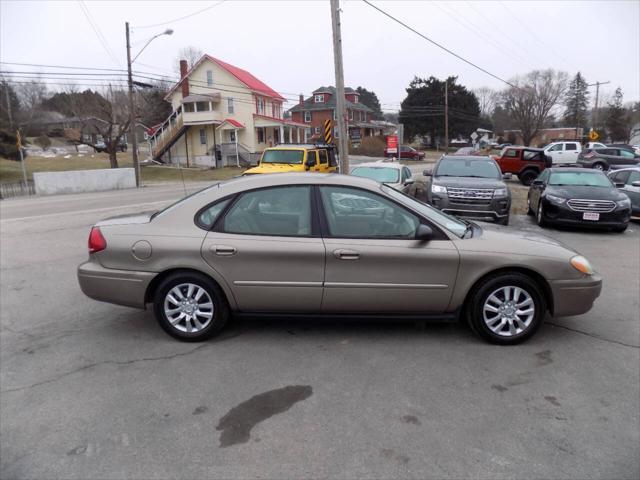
x=6, y=93
x=132, y=113
x=595, y=111
x=343, y=140
x=446, y=116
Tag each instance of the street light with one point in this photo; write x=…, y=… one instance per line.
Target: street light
x=132, y=113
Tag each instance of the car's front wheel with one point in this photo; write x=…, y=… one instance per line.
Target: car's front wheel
x=506, y=309
x=190, y=307
x=600, y=166
x=540, y=215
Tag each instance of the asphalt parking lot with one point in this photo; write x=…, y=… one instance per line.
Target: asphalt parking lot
x=91, y=390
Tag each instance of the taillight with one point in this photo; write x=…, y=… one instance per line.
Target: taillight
x=97, y=242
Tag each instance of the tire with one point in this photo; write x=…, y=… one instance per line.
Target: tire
x=620, y=229
x=540, y=215
x=600, y=166
x=529, y=211
x=503, y=221
x=190, y=326
x=527, y=177
x=506, y=326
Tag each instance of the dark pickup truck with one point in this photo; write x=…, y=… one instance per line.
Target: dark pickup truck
x=525, y=162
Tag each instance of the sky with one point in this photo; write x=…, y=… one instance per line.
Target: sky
x=288, y=44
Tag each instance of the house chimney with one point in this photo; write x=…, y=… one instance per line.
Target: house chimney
x=301, y=99
x=185, y=82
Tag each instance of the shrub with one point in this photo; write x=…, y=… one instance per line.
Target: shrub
x=8, y=147
x=370, y=146
x=43, y=142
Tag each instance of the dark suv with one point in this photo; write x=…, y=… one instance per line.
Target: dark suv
x=606, y=158
x=525, y=162
x=470, y=187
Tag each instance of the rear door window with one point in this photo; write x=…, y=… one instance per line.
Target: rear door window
x=323, y=156
x=571, y=146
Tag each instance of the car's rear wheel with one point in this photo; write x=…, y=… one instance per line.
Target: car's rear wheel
x=527, y=177
x=600, y=166
x=506, y=309
x=190, y=306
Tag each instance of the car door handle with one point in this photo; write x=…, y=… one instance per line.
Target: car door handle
x=223, y=250
x=346, y=254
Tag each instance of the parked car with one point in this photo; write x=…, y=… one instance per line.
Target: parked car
x=309, y=244
x=525, y=162
x=469, y=187
x=563, y=153
x=578, y=197
x=591, y=145
x=502, y=145
x=406, y=152
x=606, y=158
x=627, y=180
x=393, y=174
x=622, y=146
x=100, y=146
x=296, y=158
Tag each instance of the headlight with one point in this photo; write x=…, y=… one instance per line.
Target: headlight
x=438, y=189
x=581, y=264
x=554, y=199
x=624, y=203
x=500, y=192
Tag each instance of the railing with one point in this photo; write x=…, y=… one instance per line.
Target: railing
x=245, y=156
x=166, y=133
x=16, y=189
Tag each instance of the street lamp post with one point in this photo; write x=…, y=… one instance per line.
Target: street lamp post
x=132, y=113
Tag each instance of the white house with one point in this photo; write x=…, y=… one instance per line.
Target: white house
x=222, y=115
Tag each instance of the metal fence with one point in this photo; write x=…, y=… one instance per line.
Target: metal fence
x=16, y=189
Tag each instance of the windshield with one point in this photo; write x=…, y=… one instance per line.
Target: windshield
x=582, y=179
x=452, y=224
x=464, y=167
x=282, y=156
x=380, y=174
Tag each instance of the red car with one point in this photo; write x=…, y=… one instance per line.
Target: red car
x=525, y=162
x=406, y=152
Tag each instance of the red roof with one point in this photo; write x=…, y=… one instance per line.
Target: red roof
x=233, y=122
x=245, y=77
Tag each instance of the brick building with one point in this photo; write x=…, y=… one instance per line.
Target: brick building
x=322, y=106
x=545, y=136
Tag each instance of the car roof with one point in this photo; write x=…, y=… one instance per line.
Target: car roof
x=520, y=147
x=298, y=146
x=572, y=170
x=250, y=182
x=467, y=157
x=632, y=169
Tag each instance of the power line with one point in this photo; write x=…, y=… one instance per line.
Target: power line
x=97, y=31
x=180, y=18
x=436, y=43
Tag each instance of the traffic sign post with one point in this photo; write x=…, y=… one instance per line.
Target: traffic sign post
x=593, y=135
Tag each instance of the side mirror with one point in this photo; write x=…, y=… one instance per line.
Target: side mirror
x=537, y=183
x=507, y=176
x=409, y=181
x=636, y=183
x=424, y=233
x=427, y=172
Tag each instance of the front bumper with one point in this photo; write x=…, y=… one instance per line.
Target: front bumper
x=562, y=215
x=496, y=209
x=122, y=287
x=575, y=297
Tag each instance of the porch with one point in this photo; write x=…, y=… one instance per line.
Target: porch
x=274, y=131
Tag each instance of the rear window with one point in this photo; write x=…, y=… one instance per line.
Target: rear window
x=379, y=174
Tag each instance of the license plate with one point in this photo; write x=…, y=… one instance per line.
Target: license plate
x=591, y=216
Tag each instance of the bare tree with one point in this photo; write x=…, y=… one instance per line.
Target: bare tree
x=190, y=53
x=531, y=99
x=103, y=120
x=487, y=99
x=31, y=96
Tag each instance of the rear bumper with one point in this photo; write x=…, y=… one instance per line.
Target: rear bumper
x=122, y=287
x=575, y=297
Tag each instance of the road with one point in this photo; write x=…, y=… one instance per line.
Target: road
x=91, y=390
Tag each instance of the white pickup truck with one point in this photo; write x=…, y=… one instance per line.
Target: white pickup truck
x=566, y=153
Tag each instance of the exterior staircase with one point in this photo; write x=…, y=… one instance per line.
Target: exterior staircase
x=167, y=134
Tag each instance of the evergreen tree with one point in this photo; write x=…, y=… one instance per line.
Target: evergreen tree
x=370, y=99
x=617, y=119
x=577, y=102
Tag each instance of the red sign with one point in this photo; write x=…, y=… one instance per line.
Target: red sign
x=392, y=144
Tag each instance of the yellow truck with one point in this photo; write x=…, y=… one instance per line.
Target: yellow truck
x=297, y=158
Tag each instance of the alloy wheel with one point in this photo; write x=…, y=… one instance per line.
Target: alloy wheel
x=188, y=307
x=508, y=311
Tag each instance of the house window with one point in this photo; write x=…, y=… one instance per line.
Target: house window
x=189, y=107
x=355, y=99
x=209, y=77
x=261, y=104
x=317, y=129
x=260, y=135
x=203, y=106
x=350, y=114
x=336, y=132
x=308, y=132
x=230, y=105
x=232, y=136
x=203, y=136
x=361, y=116
x=318, y=98
x=307, y=116
x=335, y=114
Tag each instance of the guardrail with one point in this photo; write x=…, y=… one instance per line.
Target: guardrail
x=16, y=189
